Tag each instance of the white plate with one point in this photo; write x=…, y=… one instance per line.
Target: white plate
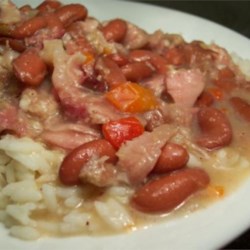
x=207, y=229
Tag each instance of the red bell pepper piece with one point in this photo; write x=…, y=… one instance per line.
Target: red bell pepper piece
x=119, y=131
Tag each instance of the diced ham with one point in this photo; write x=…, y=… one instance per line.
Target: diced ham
x=184, y=86
x=175, y=114
x=68, y=77
x=38, y=103
x=156, y=83
x=99, y=173
x=69, y=136
x=138, y=157
x=66, y=139
x=100, y=111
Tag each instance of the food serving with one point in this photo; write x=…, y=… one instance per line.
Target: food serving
x=106, y=128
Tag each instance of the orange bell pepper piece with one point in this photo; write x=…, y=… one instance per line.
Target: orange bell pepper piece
x=132, y=98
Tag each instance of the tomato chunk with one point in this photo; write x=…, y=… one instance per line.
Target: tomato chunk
x=132, y=98
x=119, y=131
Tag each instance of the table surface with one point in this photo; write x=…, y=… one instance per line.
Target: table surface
x=232, y=14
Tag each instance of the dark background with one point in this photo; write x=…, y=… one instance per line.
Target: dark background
x=232, y=14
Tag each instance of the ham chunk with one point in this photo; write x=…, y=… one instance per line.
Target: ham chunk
x=138, y=157
x=156, y=83
x=69, y=136
x=185, y=85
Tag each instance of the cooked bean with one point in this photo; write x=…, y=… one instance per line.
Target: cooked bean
x=242, y=107
x=78, y=41
x=176, y=56
x=137, y=71
x=166, y=193
x=115, y=30
x=173, y=156
x=156, y=60
x=54, y=24
x=189, y=54
x=109, y=71
x=216, y=130
x=205, y=100
x=46, y=6
x=29, y=27
x=29, y=68
x=71, y=13
x=15, y=44
x=73, y=163
x=119, y=59
x=226, y=79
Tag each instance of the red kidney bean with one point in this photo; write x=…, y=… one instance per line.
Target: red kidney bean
x=109, y=71
x=29, y=27
x=176, y=56
x=216, y=130
x=226, y=73
x=226, y=85
x=115, y=30
x=73, y=163
x=242, y=107
x=159, y=62
x=47, y=6
x=166, y=193
x=29, y=68
x=53, y=22
x=189, y=53
x=75, y=31
x=15, y=44
x=205, y=100
x=71, y=13
x=173, y=156
x=137, y=71
x=78, y=41
x=119, y=59
x=226, y=79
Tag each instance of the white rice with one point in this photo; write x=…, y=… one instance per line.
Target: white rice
x=114, y=214
x=50, y=199
x=225, y=156
x=29, y=187
x=22, y=191
x=21, y=213
x=25, y=233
